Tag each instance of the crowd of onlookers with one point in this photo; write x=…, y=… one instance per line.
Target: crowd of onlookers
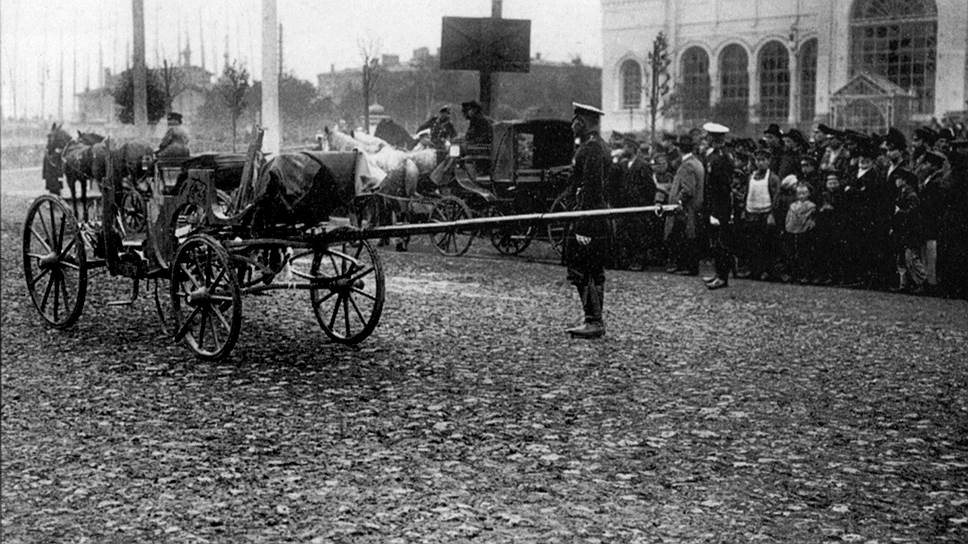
x=882, y=211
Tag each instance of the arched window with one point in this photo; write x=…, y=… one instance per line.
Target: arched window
x=774, y=67
x=808, y=79
x=695, y=83
x=897, y=39
x=631, y=84
x=734, y=78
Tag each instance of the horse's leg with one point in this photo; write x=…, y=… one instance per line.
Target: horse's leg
x=84, y=182
x=70, y=185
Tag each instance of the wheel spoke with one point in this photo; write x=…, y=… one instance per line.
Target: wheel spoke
x=43, y=302
x=191, y=278
x=60, y=234
x=187, y=324
x=63, y=286
x=37, y=278
x=324, y=299
x=53, y=224
x=71, y=244
x=332, y=318
x=358, y=313
x=346, y=313
x=41, y=238
x=363, y=293
x=218, y=314
x=218, y=278
x=359, y=275
x=57, y=281
x=215, y=337
x=201, y=329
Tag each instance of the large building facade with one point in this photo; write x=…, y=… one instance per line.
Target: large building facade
x=864, y=64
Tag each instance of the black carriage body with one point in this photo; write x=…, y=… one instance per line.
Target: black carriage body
x=532, y=157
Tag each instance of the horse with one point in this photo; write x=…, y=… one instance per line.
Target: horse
x=395, y=135
x=403, y=168
x=78, y=160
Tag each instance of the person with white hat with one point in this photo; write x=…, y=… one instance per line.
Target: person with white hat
x=719, y=205
x=586, y=249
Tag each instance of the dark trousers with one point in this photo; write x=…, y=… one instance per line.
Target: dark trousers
x=760, y=238
x=720, y=245
x=798, y=253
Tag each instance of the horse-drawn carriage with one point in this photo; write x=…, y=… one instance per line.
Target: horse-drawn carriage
x=526, y=169
x=218, y=226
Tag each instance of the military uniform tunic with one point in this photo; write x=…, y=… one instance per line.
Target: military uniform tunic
x=587, y=263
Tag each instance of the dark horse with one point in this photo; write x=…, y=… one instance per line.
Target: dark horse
x=80, y=160
x=85, y=159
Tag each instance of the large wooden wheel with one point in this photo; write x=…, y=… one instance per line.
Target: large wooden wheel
x=55, y=261
x=349, y=298
x=557, y=232
x=453, y=242
x=133, y=211
x=206, y=304
x=509, y=240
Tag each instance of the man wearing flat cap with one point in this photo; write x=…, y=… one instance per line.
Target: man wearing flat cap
x=478, y=125
x=586, y=249
x=774, y=142
x=836, y=158
x=175, y=141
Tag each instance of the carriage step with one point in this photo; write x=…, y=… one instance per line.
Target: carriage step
x=134, y=296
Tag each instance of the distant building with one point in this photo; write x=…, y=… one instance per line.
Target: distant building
x=865, y=64
x=97, y=106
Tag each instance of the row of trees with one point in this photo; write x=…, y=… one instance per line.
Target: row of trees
x=230, y=108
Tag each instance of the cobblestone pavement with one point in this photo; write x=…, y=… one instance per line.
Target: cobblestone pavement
x=758, y=413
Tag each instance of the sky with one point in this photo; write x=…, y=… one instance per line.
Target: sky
x=50, y=43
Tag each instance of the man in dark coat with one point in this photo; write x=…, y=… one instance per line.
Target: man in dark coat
x=859, y=203
x=932, y=194
x=686, y=191
x=719, y=204
x=586, y=249
x=639, y=189
x=478, y=125
x=774, y=142
x=441, y=129
x=175, y=141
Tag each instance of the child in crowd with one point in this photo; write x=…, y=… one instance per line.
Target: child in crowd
x=798, y=237
x=828, y=237
x=759, y=219
x=908, y=237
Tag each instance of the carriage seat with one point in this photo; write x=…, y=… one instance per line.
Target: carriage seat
x=227, y=168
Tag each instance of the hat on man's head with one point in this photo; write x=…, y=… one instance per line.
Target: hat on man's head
x=945, y=134
x=926, y=134
x=830, y=131
x=867, y=149
x=444, y=109
x=935, y=158
x=174, y=116
x=471, y=104
x=773, y=129
x=795, y=135
x=585, y=110
x=762, y=152
x=685, y=143
x=895, y=139
x=422, y=133
x=715, y=129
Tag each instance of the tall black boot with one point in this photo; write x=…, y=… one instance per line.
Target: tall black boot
x=594, y=326
x=583, y=298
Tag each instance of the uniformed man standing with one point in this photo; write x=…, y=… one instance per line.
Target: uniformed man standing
x=587, y=248
x=175, y=141
x=719, y=204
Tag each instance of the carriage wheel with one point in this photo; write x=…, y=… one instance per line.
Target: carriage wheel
x=454, y=242
x=558, y=231
x=206, y=304
x=509, y=240
x=55, y=261
x=349, y=304
x=133, y=211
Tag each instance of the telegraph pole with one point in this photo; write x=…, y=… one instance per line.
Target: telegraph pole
x=140, y=75
x=488, y=78
x=270, y=78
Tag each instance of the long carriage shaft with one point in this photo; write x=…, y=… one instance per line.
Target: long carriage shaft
x=480, y=223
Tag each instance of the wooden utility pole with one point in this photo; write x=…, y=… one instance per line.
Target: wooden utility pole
x=270, y=78
x=488, y=78
x=140, y=75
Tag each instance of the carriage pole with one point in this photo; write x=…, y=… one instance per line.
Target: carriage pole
x=481, y=223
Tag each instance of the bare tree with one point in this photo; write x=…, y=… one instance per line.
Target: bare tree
x=172, y=82
x=231, y=88
x=660, y=100
x=369, y=48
